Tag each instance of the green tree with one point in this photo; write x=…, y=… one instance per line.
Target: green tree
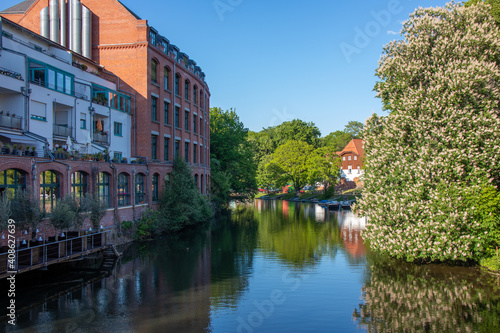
x=182, y=204
x=494, y=10
x=63, y=215
x=336, y=140
x=293, y=158
x=96, y=208
x=297, y=130
x=26, y=210
x=440, y=140
x=354, y=128
x=229, y=145
x=269, y=175
x=220, y=186
x=5, y=211
x=324, y=167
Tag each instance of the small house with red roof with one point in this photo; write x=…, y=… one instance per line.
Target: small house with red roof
x=352, y=160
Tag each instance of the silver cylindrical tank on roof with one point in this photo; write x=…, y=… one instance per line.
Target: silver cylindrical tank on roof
x=54, y=20
x=44, y=22
x=86, y=32
x=64, y=22
x=76, y=26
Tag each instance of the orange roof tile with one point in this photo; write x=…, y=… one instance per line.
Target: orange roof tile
x=355, y=146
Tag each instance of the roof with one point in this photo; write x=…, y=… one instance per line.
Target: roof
x=354, y=146
x=130, y=11
x=20, y=8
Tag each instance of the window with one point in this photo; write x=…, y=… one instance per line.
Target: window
x=154, y=108
x=154, y=143
x=51, y=77
x=166, y=75
x=349, y=169
x=349, y=157
x=119, y=101
x=152, y=37
x=343, y=158
x=154, y=187
x=176, y=150
x=103, y=188
x=165, y=148
x=117, y=129
x=194, y=153
x=201, y=96
x=49, y=190
x=186, y=120
x=196, y=180
x=201, y=184
x=176, y=116
x=176, y=88
x=123, y=190
x=117, y=156
x=194, y=123
x=186, y=151
x=139, y=189
x=195, y=91
x=355, y=158
x=83, y=121
x=186, y=89
x=12, y=181
x=154, y=66
x=78, y=185
x=166, y=107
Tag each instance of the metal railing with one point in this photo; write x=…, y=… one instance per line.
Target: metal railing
x=11, y=122
x=34, y=257
x=101, y=137
x=62, y=130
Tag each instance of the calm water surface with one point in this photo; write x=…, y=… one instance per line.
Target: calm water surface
x=269, y=267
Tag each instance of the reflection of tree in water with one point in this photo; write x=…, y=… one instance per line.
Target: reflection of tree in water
x=401, y=297
x=234, y=239
x=296, y=237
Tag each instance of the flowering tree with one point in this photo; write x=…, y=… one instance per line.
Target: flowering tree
x=431, y=159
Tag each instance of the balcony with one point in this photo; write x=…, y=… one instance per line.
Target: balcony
x=62, y=130
x=11, y=122
x=101, y=138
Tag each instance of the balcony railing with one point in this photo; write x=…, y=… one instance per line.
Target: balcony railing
x=101, y=137
x=62, y=130
x=11, y=122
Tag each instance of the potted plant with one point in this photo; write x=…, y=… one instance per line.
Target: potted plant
x=105, y=154
x=142, y=160
x=26, y=151
x=14, y=149
x=124, y=160
x=7, y=149
x=33, y=151
x=133, y=161
x=115, y=160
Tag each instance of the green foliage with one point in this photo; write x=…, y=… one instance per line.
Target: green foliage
x=433, y=161
x=97, y=209
x=63, y=215
x=127, y=225
x=324, y=167
x=355, y=129
x=492, y=263
x=148, y=226
x=220, y=186
x=494, y=9
x=229, y=145
x=181, y=204
x=337, y=140
x=26, y=209
x=5, y=211
x=293, y=160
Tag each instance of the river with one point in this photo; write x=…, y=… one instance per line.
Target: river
x=270, y=266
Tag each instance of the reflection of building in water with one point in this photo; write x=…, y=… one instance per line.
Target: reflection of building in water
x=285, y=208
x=350, y=230
x=258, y=205
x=319, y=213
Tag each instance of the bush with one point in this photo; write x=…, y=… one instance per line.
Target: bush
x=493, y=263
x=26, y=210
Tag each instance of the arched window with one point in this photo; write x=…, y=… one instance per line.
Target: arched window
x=166, y=78
x=79, y=185
x=123, y=190
x=196, y=180
x=103, y=188
x=154, y=71
x=195, y=92
x=49, y=190
x=201, y=185
x=154, y=187
x=186, y=89
x=12, y=181
x=201, y=97
x=177, y=82
x=140, y=195
x=167, y=180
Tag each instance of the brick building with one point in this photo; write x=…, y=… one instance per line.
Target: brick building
x=352, y=160
x=97, y=78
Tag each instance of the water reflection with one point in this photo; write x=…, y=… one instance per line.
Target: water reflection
x=270, y=266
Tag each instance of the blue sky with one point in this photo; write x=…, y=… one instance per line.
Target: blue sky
x=275, y=61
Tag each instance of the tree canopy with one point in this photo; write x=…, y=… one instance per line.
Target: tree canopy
x=431, y=160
